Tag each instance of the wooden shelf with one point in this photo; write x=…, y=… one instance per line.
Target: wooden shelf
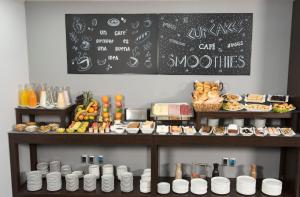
x=244, y=114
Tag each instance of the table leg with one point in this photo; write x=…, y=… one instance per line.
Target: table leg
x=154, y=168
x=15, y=166
x=19, y=119
x=33, y=156
x=32, y=118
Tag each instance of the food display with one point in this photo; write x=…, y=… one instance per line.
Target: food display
x=45, y=128
x=147, y=127
x=255, y=98
x=258, y=107
x=207, y=96
x=289, y=132
x=233, y=106
x=105, y=118
x=80, y=127
x=162, y=129
x=283, y=107
x=20, y=127
x=133, y=127
x=219, y=131
x=273, y=131
x=260, y=132
x=87, y=109
x=60, y=130
x=232, y=130
x=118, y=128
x=33, y=127
x=175, y=130
x=119, y=99
x=278, y=98
x=247, y=131
x=206, y=130
x=189, y=130
x=232, y=97
x=171, y=111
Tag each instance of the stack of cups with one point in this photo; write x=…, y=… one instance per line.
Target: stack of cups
x=72, y=182
x=107, y=183
x=78, y=173
x=53, y=181
x=34, y=181
x=127, y=182
x=43, y=167
x=145, y=182
x=198, y=186
x=108, y=169
x=55, y=166
x=94, y=170
x=66, y=169
x=89, y=182
x=120, y=170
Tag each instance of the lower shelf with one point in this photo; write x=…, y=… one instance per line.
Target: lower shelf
x=136, y=193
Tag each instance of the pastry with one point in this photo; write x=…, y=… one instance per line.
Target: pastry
x=283, y=107
x=220, y=131
x=233, y=106
x=289, y=132
x=206, y=130
x=20, y=127
x=188, y=130
x=53, y=126
x=232, y=97
x=175, y=130
x=45, y=128
x=272, y=131
x=258, y=107
x=132, y=125
x=255, y=98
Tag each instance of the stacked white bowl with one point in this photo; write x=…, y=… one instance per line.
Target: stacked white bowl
x=108, y=169
x=198, y=186
x=145, y=182
x=89, y=182
x=246, y=185
x=34, y=181
x=43, y=167
x=126, y=182
x=271, y=187
x=120, y=170
x=163, y=188
x=220, y=185
x=53, y=181
x=65, y=169
x=72, y=182
x=107, y=183
x=79, y=173
x=180, y=186
x=94, y=170
x=55, y=166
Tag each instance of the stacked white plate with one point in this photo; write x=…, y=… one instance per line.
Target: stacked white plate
x=246, y=185
x=198, y=186
x=107, y=183
x=108, y=169
x=65, y=169
x=180, y=186
x=89, y=182
x=72, y=182
x=55, y=166
x=79, y=173
x=126, y=182
x=94, y=170
x=53, y=181
x=163, y=188
x=271, y=187
x=43, y=167
x=220, y=185
x=34, y=181
x=145, y=182
x=120, y=170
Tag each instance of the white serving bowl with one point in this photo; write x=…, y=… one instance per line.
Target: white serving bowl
x=220, y=185
x=198, y=186
x=271, y=187
x=246, y=185
x=163, y=188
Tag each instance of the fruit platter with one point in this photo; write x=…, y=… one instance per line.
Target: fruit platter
x=87, y=108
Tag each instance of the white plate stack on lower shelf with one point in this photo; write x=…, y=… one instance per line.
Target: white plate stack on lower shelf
x=108, y=169
x=163, y=188
x=72, y=182
x=89, y=182
x=198, y=186
x=126, y=182
x=54, y=166
x=246, y=185
x=180, y=186
x=271, y=187
x=145, y=182
x=65, y=169
x=220, y=185
x=53, y=181
x=34, y=181
x=107, y=183
x=94, y=170
x=43, y=167
x=120, y=170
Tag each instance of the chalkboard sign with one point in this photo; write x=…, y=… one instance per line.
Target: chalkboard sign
x=112, y=43
x=205, y=44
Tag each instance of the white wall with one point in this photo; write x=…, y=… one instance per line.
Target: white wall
x=14, y=71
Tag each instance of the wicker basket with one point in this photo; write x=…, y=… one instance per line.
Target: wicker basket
x=202, y=107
